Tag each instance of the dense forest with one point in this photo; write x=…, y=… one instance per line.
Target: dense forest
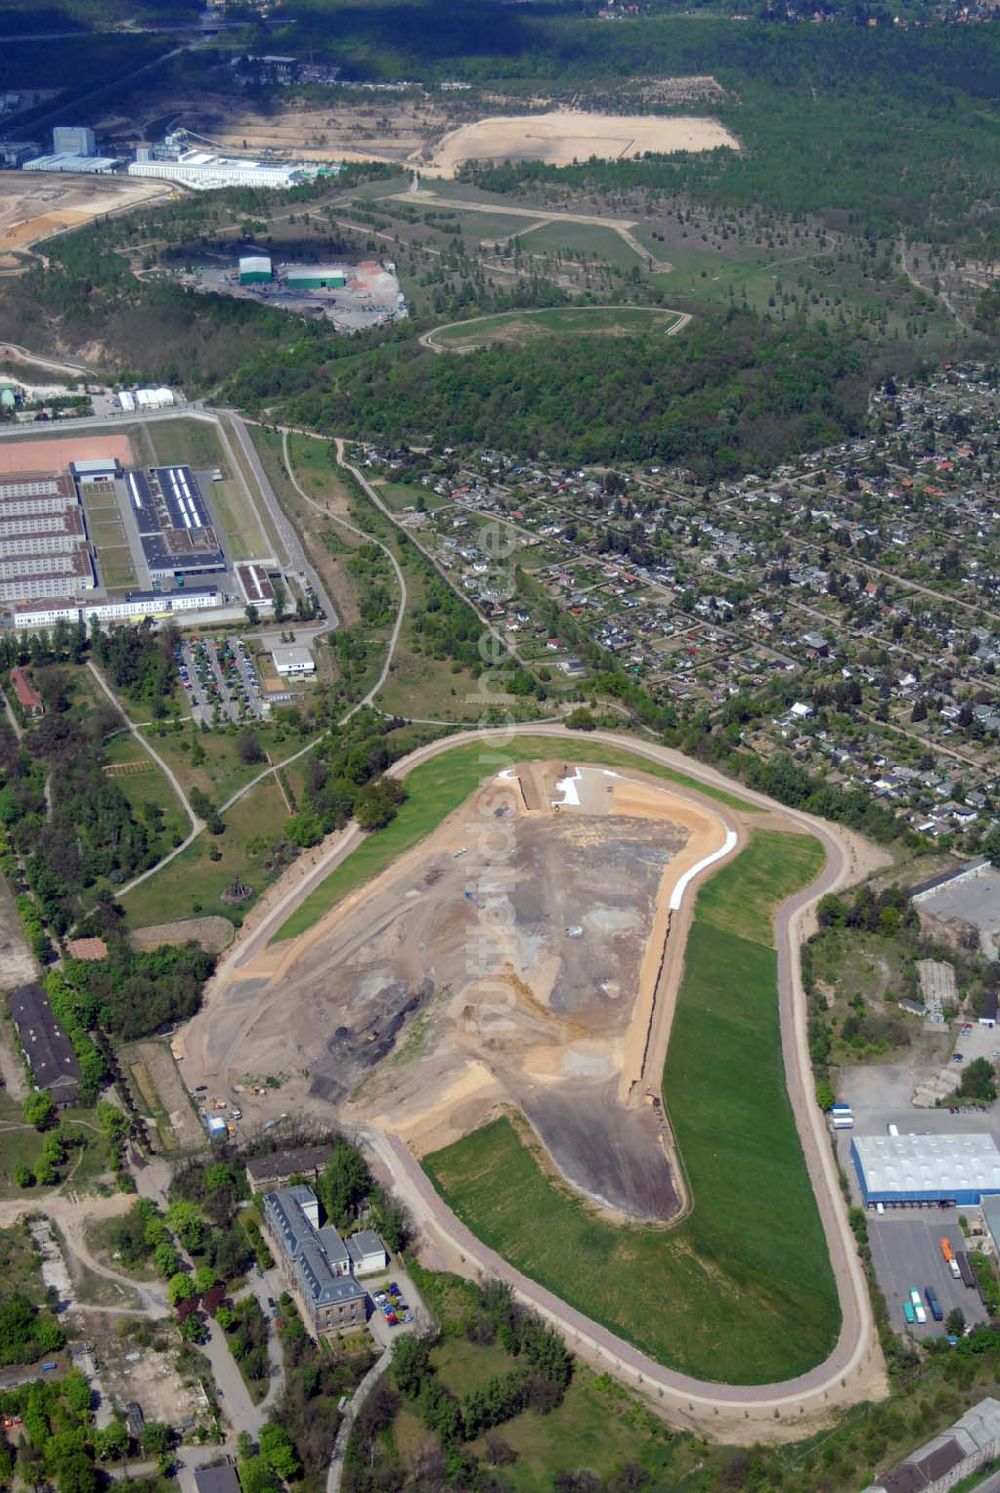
x=735, y=392
x=139, y=661
x=886, y=127
x=69, y=824
x=131, y=994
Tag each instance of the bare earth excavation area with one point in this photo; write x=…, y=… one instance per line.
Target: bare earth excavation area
x=513, y=958
x=567, y=135
x=35, y=206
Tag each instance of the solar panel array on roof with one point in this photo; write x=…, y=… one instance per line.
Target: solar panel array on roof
x=175, y=527
x=183, y=498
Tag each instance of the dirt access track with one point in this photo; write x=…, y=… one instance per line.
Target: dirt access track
x=853, y=1372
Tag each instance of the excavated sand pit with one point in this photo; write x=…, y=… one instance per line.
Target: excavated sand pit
x=563, y=136
x=513, y=958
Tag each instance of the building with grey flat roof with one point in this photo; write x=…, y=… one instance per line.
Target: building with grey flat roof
x=175, y=526
x=219, y=1479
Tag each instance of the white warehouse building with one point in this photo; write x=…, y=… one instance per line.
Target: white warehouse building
x=81, y=165
x=204, y=172
x=902, y=1169
x=293, y=662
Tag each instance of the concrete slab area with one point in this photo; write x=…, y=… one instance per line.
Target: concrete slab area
x=973, y=898
x=906, y=1252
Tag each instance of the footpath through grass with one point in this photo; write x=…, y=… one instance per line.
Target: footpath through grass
x=741, y=1291
x=438, y=787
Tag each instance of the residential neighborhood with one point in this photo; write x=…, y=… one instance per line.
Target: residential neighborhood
x=845, y=610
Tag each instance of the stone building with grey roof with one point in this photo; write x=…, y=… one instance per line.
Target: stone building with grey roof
x=314, y=1261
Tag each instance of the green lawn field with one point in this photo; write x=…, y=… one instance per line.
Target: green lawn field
x=192, y=884
x=528, y=326
x=598, y=1426
x=436, y=788
x=148, y=787
x=741, y=1291
x=195, y=442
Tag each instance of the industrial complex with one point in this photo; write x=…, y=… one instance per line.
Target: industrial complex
x=354, y=297
x=74, y=150
x=204, y=171
x=174, y=525
x=104, y=540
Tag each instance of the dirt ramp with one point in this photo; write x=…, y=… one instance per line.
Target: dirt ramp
x=612, y=1155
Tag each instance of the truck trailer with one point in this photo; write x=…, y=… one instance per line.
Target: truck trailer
x=965, y=1269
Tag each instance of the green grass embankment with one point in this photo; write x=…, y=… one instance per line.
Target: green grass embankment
x=742, y=1290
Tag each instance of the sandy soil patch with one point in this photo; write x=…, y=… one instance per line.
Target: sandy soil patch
x=380, y=129
x=566, y=135
x=212, y=933
x=17, y=966
x=147, y=1375
x=706, y=833
x=33, y=205
x=156, y=1083
x=52, y=455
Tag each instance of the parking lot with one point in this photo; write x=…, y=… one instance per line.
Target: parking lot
x=220, y=680
x=926, y=1069
x=408, y=1305
x=975, y=1041
x=906, y=1253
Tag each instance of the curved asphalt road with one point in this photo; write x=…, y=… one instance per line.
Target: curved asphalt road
x=853, y=1371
